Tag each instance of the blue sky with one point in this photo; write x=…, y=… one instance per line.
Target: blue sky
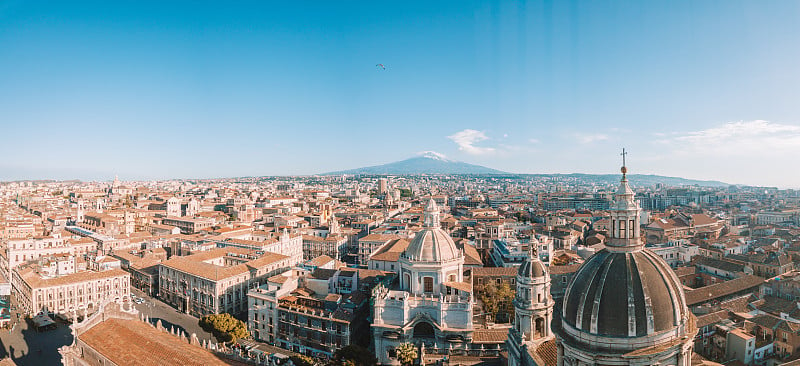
x=149, y=90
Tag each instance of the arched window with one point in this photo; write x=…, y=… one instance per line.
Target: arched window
x=407, y=280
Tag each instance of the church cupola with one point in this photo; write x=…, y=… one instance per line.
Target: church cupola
x=625, y=216
x=431, y=214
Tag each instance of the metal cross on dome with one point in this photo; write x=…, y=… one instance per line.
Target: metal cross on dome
x=623, y=156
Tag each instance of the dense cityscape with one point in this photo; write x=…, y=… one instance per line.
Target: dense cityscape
x=400, y=183
x=399, y=269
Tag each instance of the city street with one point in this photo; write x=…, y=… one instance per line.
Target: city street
x=157, y=310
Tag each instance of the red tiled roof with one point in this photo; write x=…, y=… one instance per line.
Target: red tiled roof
x=547, y=353
x=489, y=335
x=132, y=342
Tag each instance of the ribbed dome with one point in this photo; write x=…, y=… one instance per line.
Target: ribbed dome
x=625, y=294
x=532, y=269
x=432, y=245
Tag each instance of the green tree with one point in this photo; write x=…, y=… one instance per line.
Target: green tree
x=505, y=295
x=225, y=327
x=498, y=301
x=355, y=355
x=490, y=304
x=406, y=354
x=301, y=360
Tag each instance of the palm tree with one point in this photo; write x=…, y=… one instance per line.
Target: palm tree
x=406, y=354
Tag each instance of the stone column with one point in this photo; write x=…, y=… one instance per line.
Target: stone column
x=548, y=321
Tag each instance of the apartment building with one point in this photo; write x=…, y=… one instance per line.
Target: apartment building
x=370, y=243
x=143, y=267
x=188, y=225
x=55, y=285
x=314, y=313
x=334, y=246
x=217, y=280
x=288, y=244
x=19, y=251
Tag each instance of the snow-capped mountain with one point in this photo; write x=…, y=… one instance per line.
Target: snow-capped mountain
x=426, y=162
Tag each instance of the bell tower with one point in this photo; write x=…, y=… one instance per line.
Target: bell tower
x=533, y=308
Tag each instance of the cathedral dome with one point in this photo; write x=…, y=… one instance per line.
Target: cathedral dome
x=432, y=244
x=625, y=297
x=625, y=294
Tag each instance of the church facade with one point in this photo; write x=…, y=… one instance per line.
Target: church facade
x=431, y=307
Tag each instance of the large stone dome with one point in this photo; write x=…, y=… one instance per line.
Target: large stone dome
x=432, y=245
x=625, y=305
x=625, y=294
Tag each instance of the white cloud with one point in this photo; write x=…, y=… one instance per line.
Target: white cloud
x=743, y=138
x=467, y=139
x=590, y=138
x=533, y=141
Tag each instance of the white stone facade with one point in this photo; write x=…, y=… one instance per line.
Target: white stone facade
x=432, y=306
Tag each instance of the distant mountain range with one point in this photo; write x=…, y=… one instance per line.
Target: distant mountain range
x=431, y=162
x=428, y=163
x=641, y=180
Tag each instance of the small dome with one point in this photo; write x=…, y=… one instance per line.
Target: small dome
x=532, y=269
x=432, y=245
x=625, y=294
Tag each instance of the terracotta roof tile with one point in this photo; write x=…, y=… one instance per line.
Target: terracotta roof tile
x=714, y=291
x=131, y=342
x=489, y=335
x=548, y=353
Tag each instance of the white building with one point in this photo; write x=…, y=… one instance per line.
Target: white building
x=509, y=252
x=777, y=217
x=533, y=314
x=59, y=288
x=432, y=304
x=676, y=252
x=262, y=317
